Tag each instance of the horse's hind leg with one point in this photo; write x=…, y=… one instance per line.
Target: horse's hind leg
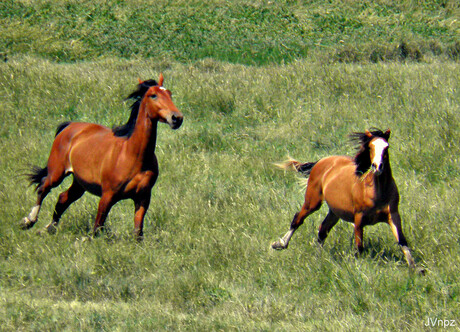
x=65, y=199
x=312, y=203
x=327, y=224
x=51, y=180
x=105, y=204
x=31, y=219
x=42, y=191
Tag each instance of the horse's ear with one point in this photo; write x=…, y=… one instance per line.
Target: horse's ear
x=387, y=134
x=160, y=80
x=368, y=133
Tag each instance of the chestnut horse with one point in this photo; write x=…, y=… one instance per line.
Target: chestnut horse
x=114, y=164
x=360, y=190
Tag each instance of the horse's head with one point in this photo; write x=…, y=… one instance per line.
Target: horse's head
x=378, y=151
x=373, y=153
x=159, y=105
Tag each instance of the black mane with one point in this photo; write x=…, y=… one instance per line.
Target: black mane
x=127, y=129
x=362, y=158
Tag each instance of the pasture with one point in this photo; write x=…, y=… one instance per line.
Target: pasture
x=206, y=262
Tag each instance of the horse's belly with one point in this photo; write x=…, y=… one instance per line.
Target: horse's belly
x=377, y=216
x=343, y=214
x=88, y=177
x=93, y=188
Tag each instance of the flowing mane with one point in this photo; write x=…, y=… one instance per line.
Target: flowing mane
x=127, y=129
x=362, y=158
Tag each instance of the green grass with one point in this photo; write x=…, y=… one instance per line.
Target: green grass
x=247, y=32
x=256, y=81
x=205, y=263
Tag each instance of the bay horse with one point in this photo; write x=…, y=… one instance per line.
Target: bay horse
x=115, y=164
x=360, y=190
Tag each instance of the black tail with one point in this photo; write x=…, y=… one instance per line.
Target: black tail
x=61, y=127
x=304, y=168
x=36, y=176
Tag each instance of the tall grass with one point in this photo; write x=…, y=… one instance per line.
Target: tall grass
x=205, y=263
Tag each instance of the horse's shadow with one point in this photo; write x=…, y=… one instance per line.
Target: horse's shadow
x=377, y=249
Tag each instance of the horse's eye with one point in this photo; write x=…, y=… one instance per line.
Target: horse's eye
x=153, y=96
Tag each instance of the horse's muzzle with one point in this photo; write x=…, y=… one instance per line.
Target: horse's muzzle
x=176, y=121
x=377, y=170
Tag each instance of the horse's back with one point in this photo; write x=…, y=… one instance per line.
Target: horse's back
x=332, y=165
x=69, y=133
x=86, y=136
x=74, y=129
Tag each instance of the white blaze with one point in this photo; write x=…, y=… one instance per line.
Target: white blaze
x=379, y=145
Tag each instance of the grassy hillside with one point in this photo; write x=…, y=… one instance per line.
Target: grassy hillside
x=205, y=263
x=247, y=32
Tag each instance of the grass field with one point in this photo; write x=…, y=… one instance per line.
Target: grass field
x=238, y=31
x=206, y=262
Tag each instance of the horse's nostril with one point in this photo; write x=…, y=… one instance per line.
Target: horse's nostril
x=176, y=121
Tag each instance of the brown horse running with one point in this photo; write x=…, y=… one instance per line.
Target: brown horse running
x=360, y=190
x=114, y=164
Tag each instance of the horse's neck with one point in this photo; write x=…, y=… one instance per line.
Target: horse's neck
x=143, y=139
x=383, y=182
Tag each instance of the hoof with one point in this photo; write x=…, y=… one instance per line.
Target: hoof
x=86, y=239
x=51, y=228
x=41, y=232
x=139, y=236
x=98, y=232
x=26, y=223
x=279, y=245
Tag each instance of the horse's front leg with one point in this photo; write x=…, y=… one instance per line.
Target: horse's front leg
x=141, y=206
x=65, y=199
x=394, y=220
x=358, y=218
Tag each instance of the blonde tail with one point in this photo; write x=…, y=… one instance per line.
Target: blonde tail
x=294, y=165
x=289, y=164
